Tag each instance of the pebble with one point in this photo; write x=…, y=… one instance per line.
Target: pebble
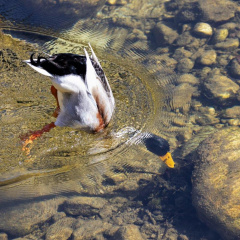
x=233, y=112
x=220, y=87
x=164, y=34
x=203, y=29
x=185, y=65
x=62, y=229
x=112, y=2
x=208, y=57
x=182, y=96
x=188, y=78
x=234, y=69
x=234, y=122
x=217, y=10
x=181, y=53
x=182, y=237
x=84, y=206
x=3, y=236
x=90, y=229
x=228, y=44
x=128, y=232
x=220, y=35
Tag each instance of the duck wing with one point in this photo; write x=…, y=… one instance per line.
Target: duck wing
x=59, y=65
x=99, y=87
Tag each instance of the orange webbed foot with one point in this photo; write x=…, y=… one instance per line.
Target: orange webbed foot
x=28, y=139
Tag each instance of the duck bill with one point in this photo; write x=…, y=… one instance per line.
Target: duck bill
x=167, y=159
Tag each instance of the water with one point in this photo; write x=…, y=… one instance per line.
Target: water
x=66, y=162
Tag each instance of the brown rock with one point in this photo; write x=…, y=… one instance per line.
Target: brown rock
x=128, y=232
x=61, y=230
x=88, y=229
x=216, y=185
x=3, y=236
x=217, y=10
x=220, y=87
x=85, y=206
x=233, y=112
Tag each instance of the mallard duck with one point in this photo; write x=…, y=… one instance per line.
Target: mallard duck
x=158, y=146
x=83, y=94
x=84, y=98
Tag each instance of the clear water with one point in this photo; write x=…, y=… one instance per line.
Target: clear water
x=66, y=161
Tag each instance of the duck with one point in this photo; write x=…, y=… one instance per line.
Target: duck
x=158, y=146
x=84, y=98
x=80, y=87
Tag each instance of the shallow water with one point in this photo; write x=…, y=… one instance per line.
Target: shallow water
x=66, y=162
x=139, y=96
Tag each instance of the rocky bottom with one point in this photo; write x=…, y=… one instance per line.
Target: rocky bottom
x=158, y=208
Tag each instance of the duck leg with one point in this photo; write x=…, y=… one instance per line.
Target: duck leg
x=54, y=93
x=28, y=139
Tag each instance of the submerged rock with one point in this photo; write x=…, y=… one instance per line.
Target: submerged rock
x=164, y=34
x=3, y=236
x=84, y=206
x=220, y=88
x=128, y=232
x=203, y=29
x=185, y=65
x=188, y=78
x=234, y=68
x=228, y=45
x=208, y=57
x=220, y=35
x=22, y=219
x=90, y=229
x=216, y=184
x=62, y=229
x=233, y=112
x=217, y=10
x=182, y=96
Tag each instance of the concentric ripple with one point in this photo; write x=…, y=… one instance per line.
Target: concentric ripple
x=66, y=160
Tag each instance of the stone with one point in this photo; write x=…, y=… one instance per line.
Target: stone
x=234, y=68
x=112, y=2
x=220, y=35
x=128, y=232
x=182, y=237
x=171, y=234
x=185, y=65
x=220, y=88
x=233, y=112
x=185, y=39
x=189, y=12
x=208, y=57
x=89, y=229
x=216, y=184
x=58, y=216
x=22, y=219
x=203, y=29
x=182, y=96
x=164, y=34
x=3, y=236
x=188, y=78
x=61, y=230
x=228, y=45
x=84, y=206
x=181, y=53
x=217, y=10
